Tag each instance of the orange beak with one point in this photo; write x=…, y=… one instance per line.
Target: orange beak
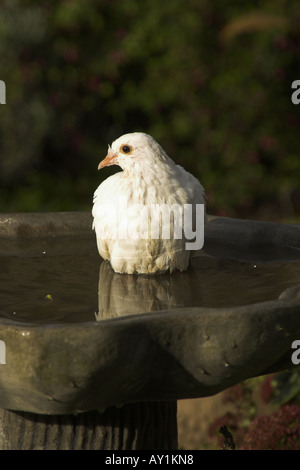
x=110, y=159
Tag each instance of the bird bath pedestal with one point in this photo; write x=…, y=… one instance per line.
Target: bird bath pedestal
x=109, y=377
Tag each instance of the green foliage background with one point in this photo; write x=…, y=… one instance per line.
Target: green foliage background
x=210, y=81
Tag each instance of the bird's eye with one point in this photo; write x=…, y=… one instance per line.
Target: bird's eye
x=126, y=149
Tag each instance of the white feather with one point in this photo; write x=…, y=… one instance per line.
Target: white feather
x=149, y=177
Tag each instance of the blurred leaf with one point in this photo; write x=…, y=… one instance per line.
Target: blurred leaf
x=253, y=22
x=79, y=74
x=286, y=386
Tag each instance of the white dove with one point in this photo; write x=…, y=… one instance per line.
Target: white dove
x=129, y=208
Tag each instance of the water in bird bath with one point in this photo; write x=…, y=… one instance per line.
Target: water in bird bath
x=60, y=279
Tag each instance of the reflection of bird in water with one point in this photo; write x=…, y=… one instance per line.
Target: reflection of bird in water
x=150, y=178
x=120, y=295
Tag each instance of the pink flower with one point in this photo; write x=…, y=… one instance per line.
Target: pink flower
x=54, y=99
x=94, y=83
x=281, y=43
x=267, y=390
x=268, y=143
x=281, y=430
x=71, y=55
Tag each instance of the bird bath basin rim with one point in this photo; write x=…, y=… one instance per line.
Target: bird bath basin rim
x=166, y=355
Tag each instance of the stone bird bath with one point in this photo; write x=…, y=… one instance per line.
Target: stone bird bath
x=96, y=360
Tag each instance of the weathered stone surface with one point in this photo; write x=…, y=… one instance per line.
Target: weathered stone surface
x=137, y=426
x=252, y=239
x=168, y=355
x=36, y=224
x=62, y=369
